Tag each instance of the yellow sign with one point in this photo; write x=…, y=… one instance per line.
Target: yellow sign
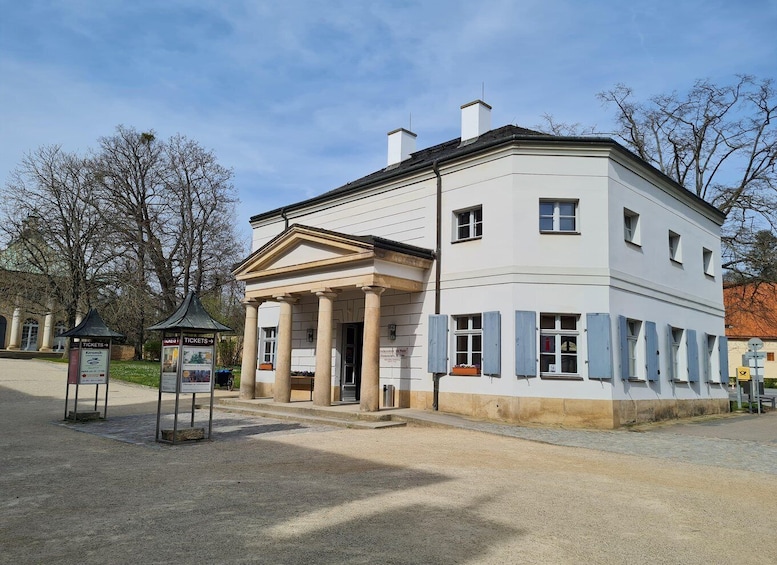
x=743, y=373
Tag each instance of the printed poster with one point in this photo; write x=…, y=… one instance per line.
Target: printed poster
x=170, y=361
x=197, y=364
x=94, y=363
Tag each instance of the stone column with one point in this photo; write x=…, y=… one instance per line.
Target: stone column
x=370, y=393
x=48, y=334
x=282, y=387
x=322, y=386
x=248, y=367
x=16, y=329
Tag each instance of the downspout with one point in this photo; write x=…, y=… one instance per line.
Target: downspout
x=437, y=275
x=438, y=248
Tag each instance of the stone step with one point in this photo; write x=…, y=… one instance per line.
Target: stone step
x=310, y=410
x=331, y=419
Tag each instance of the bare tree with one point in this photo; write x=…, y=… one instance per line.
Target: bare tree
x=719, y=142
x=59, y=239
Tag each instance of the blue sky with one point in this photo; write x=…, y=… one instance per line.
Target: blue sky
x=297, y=96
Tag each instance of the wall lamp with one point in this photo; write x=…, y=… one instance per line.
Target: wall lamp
x=392, y=331
x=311, y=333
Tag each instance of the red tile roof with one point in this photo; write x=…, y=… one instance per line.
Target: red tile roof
x=751, y=310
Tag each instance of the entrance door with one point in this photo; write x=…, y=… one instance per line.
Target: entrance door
x=351, y=374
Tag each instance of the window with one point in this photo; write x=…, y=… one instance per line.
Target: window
x=709, y=267
x=59, y=341
x=710, y=357
x=633, y=328
x=267, y=349
x=468, y=336
x=558, y=344
x=675, y=253
x=770, y=355
x=676, y=342
x=30, y=335
x=631, y=226
x=469, y=224
x=558, y=216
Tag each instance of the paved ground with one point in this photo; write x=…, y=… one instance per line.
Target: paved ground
x=266, y=491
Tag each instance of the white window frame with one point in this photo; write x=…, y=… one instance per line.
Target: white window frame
x=556, y=218
x=631, y=231
x=268, y=344
x=708, y=262
x=468, y=340
x=635, y=348
x=30, y=335
x=469, y=219
x=560, y=337
x=676, y=355
x=675, y=247
x=711, y=357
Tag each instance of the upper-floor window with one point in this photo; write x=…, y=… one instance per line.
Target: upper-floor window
x=675, y=251
x=558, y=216
x=469, y=224
x=558, y=343
x=468, y=335
x=707, y=261
x=631, y=226
x=677, y=369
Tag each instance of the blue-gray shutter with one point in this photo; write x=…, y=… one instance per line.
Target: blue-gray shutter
x=651, y=351
x=623, y=342
x=525, y=343
x=723, y=357
x=438, y=343
x=669, y=355
x=599, y=346
x=492, y=343
x=692, y=347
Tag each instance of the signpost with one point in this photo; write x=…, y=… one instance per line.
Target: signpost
x=751, y=358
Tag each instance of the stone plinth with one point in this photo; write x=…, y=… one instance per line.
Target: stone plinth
x=184, y=434
x=84, y=416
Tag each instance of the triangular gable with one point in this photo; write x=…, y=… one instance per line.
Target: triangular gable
x=301, y=248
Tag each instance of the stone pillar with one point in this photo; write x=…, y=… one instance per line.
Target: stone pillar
x=250, y=353
x=370, y=388
x=48, y=333
x=16, y=329
x=282, y=387
x=322, y=386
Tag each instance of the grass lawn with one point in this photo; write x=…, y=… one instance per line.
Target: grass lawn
x=146, y=372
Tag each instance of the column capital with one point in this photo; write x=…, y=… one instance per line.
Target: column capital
x=325, y=292
x=374, y=289
x=252, y=302
x=288, y=298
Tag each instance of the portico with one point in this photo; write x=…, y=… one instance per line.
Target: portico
x=306, y=264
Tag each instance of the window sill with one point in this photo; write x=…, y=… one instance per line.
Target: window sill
x=633, y=244
x=709, y=277
x=477, y=237
x=636, y=380
x=561, y=377
x=676, y=263
x=559, y=232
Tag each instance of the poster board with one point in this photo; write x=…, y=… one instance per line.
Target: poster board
x=171, y=349
x=197, y=364
x=94, y=359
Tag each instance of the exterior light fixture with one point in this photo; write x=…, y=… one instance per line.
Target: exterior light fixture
x=392, y=331
x=310, y=335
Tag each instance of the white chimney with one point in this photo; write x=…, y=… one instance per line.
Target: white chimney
x=401, y=143
x=475, y=120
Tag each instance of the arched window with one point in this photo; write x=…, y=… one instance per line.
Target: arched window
x=30, y=335
x=59, y=341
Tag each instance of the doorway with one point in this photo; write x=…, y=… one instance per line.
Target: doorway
x=351, y=369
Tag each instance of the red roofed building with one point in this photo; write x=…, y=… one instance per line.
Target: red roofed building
x=751, y=311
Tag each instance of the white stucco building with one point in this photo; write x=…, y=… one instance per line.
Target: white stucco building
x=579, y=284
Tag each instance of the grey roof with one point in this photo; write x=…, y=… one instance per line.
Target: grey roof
x=449, y=150
x=92, y=326
x=192, y=316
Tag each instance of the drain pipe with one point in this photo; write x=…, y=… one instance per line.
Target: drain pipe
x=437, y=274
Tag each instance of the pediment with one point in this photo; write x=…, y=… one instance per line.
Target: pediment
x=300, y=249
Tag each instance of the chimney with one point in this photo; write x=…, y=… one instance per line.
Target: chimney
x=401, y=143
x=475, y=120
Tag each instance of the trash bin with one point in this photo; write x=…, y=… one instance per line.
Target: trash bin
x=388, y=396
